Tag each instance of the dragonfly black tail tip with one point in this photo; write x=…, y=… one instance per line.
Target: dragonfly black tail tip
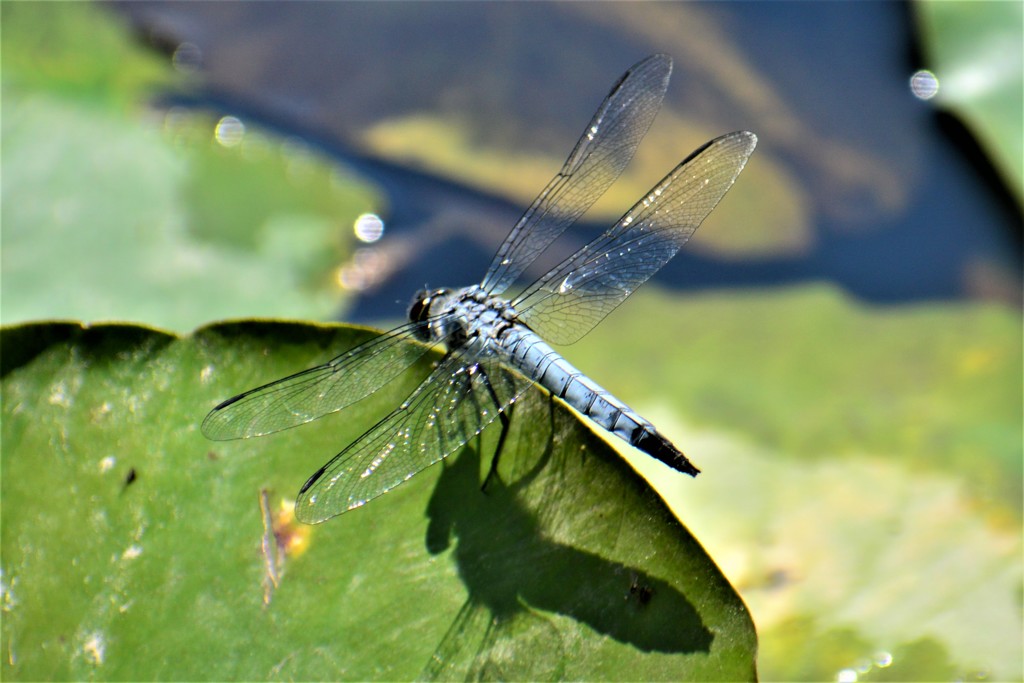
x=657, y=446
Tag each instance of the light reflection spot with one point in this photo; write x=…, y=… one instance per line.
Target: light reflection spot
x=368, y=267
x=94, y=648
x=229, y=131
x=924, y=85
x=58, y=397
x=8, y=601
x=187, y=56
x=369, y=227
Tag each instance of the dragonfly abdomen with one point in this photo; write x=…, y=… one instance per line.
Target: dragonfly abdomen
x=538, y=361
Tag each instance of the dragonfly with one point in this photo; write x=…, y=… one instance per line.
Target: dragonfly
x=495, y=349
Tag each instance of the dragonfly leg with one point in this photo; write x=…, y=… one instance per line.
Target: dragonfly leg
x=506, y=420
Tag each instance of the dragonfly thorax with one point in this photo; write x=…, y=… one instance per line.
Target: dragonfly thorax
x=467, y=316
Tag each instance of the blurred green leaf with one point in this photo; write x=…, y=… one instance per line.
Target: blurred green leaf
x=114, y=212
x=132, y=546
x=77, y=51
x=976, y=50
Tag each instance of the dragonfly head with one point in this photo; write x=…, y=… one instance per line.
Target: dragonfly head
x=425, y=299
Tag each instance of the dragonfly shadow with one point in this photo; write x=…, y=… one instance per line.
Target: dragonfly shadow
x=517, y=573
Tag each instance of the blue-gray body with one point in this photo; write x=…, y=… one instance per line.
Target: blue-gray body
x=489, y=326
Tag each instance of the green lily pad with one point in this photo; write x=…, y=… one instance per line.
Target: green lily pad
x=134, y=548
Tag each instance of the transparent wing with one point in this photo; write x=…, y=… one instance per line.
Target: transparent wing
x=313, y=393
x=606, y=146
x=577, y=294
x=459, y=398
